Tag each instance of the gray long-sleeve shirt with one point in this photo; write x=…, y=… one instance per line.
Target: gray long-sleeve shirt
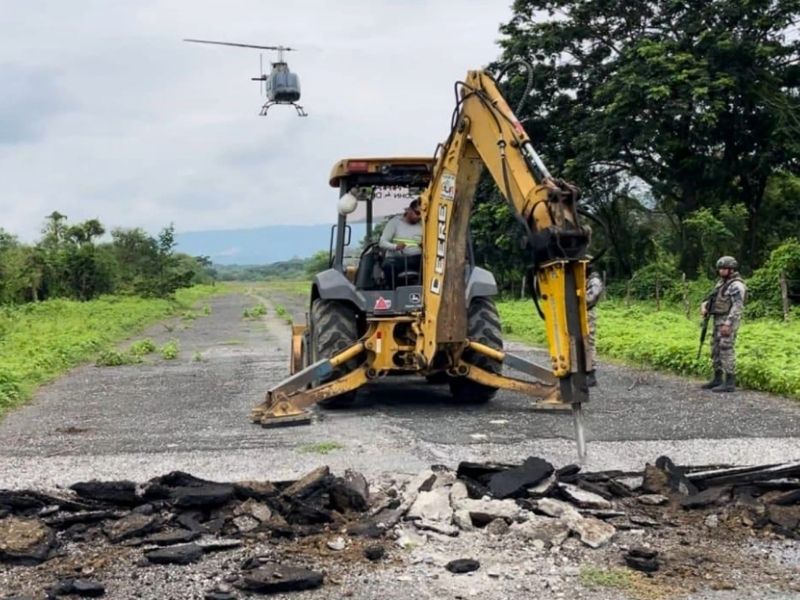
x=399, y=230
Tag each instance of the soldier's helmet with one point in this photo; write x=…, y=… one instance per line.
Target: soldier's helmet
x=727, y=262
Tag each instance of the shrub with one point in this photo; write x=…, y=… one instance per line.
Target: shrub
x=170, y=350
x=142, y=347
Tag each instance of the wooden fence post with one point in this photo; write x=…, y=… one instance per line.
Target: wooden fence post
x=628, y=294
x=685, y=289
x=658, y=292
x=785, y=296
x=604, y=294
x=522, y=289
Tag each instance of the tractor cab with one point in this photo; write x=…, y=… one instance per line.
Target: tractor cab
x=372, y=191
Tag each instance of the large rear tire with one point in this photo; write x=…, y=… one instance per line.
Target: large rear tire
x=483, y=325
x=333, y=328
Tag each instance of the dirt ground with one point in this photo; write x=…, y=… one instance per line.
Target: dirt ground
x=139, y=421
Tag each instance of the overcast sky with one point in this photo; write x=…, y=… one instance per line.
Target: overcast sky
x=106, y=113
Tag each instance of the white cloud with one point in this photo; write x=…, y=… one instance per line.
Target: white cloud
x=122, y=121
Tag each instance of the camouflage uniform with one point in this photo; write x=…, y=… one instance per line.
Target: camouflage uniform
x=725, y=306
x=594, y=287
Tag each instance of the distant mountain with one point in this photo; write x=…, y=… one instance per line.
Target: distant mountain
x=261, y=245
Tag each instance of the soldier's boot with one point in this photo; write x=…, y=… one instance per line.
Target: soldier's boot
x=728, y=386
x=714, y=382
x=591, y=379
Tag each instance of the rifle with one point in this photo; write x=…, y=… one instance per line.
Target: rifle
x=709, y=300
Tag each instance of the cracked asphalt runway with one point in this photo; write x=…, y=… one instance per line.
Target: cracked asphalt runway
x=138, y=421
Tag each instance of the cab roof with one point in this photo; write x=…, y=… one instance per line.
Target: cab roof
x=403, y=171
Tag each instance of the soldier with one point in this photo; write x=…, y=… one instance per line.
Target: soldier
x=725, y=304
x=594, y=287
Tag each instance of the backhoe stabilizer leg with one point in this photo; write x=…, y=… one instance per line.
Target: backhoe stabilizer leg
x=288, y=410
x=287, y=399
x=548, y=393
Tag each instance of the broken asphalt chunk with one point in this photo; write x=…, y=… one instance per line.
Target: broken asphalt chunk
x=274, y=579
x=480, y=472
x=515, y=481
x=642, y=559
x=132, y=525
x=463, y=565
x=112, y=492
x=78, y=587
x=168, y=538
x=711, y=496
x=182, y=554
x=202, y=496
x=350, y=493
x=25, y=541
x=582, y=498
x=310, y=483
x=374, y=552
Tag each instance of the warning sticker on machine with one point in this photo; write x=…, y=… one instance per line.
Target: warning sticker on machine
x=448, y=186
x=382, y=303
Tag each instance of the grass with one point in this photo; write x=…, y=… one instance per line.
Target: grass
x=114, y=358
x=39, y=341
x=631, y=584
x=281, y=311
x=595, y=577
x=142, y=347
x=667, y=340
x=301, y=287
x=259, y=310
x=320, y=448
x=170, y=350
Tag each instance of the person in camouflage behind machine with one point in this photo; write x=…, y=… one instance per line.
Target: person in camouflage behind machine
x=594, y=287
x=725, y=304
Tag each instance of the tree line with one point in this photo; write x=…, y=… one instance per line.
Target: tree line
x=70, y=261
x=680, y=122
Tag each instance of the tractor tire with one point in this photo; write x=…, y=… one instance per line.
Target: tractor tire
x=333, y=329
x=483, y=325
x=439, y=378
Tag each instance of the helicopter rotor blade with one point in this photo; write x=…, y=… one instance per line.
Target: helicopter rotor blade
x=239, y=45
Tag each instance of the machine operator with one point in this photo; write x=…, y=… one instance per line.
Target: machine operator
x=401, y=240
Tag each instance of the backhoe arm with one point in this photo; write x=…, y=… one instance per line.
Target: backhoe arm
x=485, y=133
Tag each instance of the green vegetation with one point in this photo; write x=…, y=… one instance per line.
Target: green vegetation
x=299, y=287
x=198, y=357
x=320, y=448
x=115, y=358
x=594, y=577
x=667, y=340
x=142, y=347
x=170, y=350
x=40, y=340
x=281, y=311
x=259, y=310
x=295, y=268
x=70, y=262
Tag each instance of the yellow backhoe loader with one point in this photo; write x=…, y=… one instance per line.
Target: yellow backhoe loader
x=437, y=319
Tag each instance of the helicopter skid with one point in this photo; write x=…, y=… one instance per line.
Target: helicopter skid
x=300, y=110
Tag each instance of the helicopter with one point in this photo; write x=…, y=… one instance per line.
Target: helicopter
x=281, y=86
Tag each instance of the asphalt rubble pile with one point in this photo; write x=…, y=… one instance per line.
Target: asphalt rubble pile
x=177, y=519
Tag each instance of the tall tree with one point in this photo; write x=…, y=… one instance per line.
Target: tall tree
x=699, y=100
